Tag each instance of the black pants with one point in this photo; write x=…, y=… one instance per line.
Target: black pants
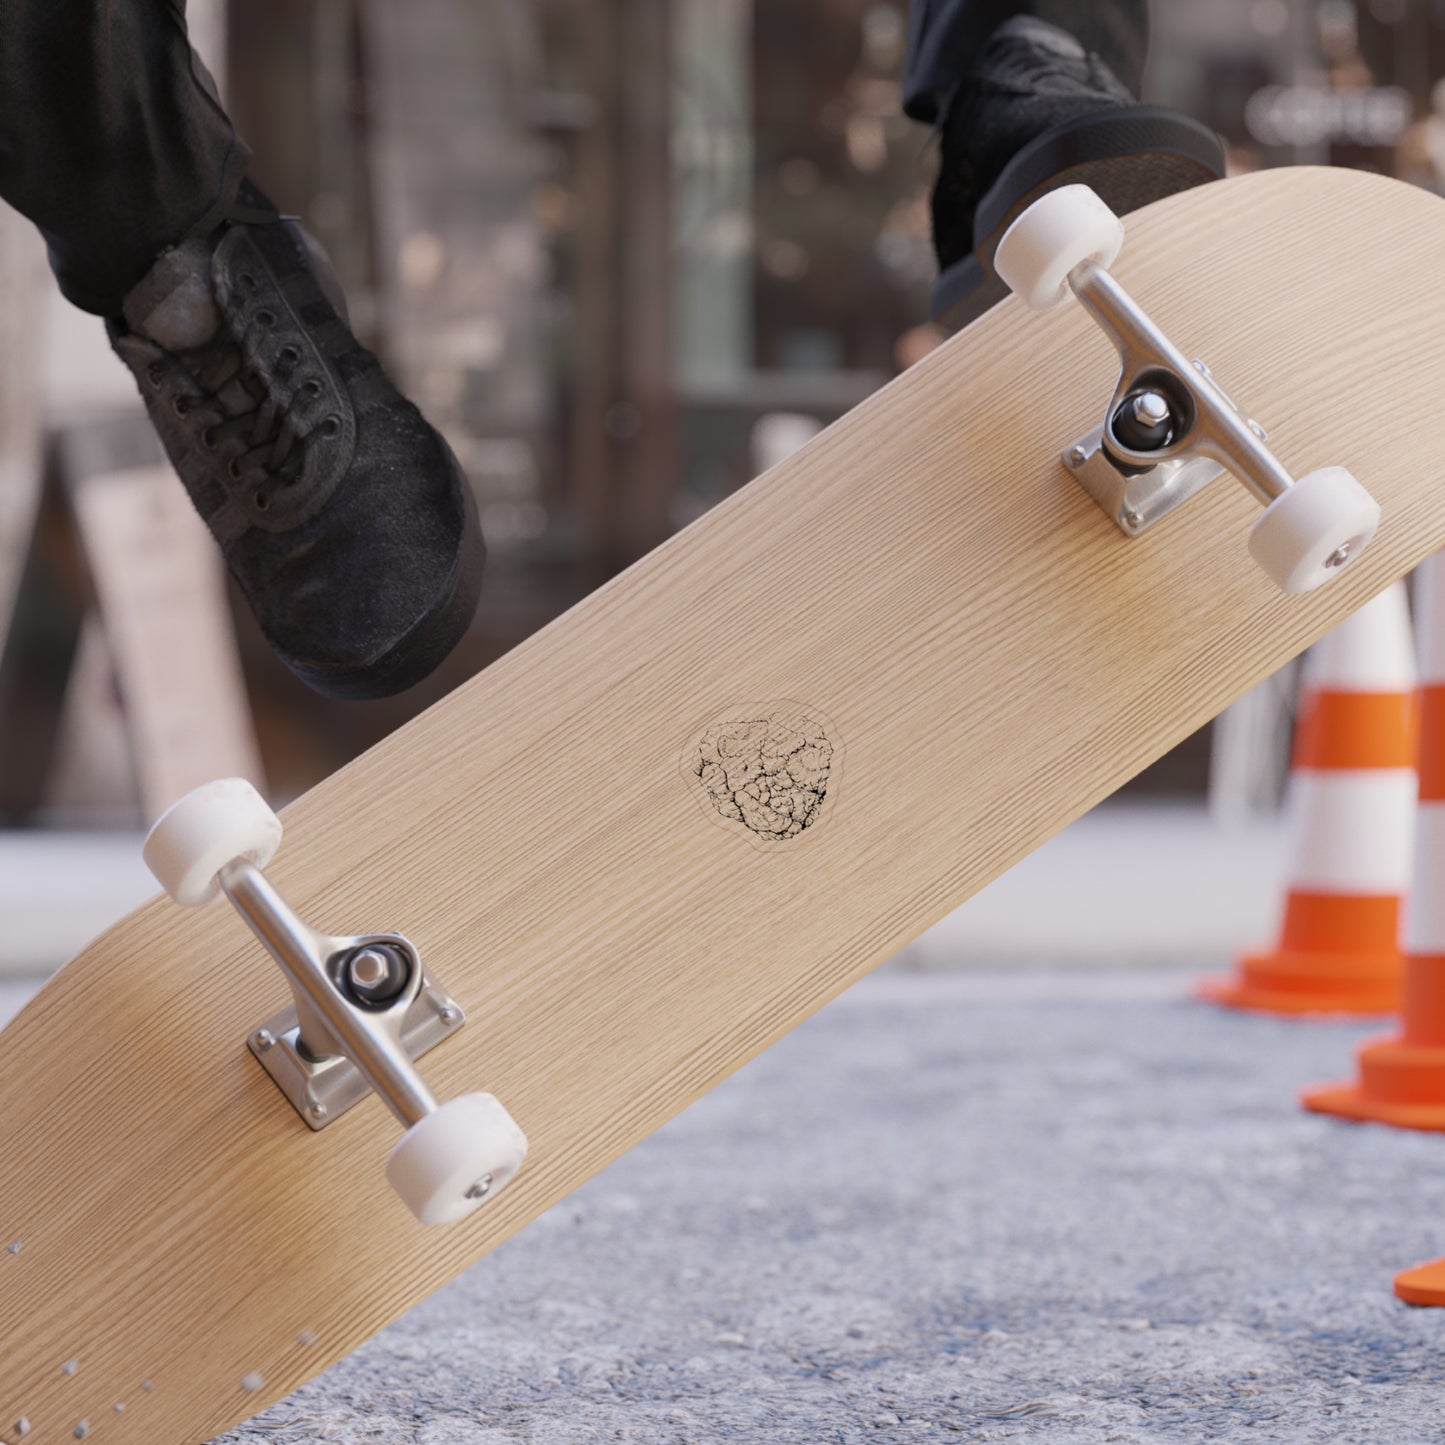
x=944, y=36
x=113, y=142
x=111, y=137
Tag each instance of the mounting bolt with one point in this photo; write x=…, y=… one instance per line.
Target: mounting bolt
x=317, y=1111
x=1143, y=421
x=1151, y=409
x=451, y=1015
x=1339, y=556
x=1131, y=517
x=263, y=1039
x=377, y=973
x=368, y=968
x=481, y=1188
x=1077, y=456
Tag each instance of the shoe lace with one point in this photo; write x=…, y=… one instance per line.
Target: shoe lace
x=239, y=408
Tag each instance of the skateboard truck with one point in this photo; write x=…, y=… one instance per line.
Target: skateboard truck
x=364, y=1009
x=1170, y=429
x=365, y=998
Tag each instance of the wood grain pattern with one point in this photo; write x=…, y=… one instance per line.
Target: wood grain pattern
x=995, y=657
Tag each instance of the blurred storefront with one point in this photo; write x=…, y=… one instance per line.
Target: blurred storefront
x=627, y=252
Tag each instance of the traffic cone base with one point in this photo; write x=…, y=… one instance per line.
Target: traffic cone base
x=1287, y=982
x=1423, y=1285
x=1399, y=1083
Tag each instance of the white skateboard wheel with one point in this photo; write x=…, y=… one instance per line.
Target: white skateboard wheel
x=211, y=826
x=1061, y=230
x=1314, y=530
x=457, y=1158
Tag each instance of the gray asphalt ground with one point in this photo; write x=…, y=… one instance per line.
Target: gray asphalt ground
x=987, y=1206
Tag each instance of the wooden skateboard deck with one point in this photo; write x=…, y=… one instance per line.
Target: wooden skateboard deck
x=973, y=655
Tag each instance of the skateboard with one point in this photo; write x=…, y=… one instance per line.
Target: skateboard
x=599, y=877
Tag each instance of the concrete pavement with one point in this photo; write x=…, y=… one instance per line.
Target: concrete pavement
x=1016, y=1205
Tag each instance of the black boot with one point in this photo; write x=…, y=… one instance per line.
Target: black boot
x=341, y=512
x=1037, y=111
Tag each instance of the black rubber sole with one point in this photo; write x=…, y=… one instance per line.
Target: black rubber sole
x=421, y=650
x=1130, y=157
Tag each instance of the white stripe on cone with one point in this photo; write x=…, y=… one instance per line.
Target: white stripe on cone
x=1430, y=609
x=1423, y=924
x=1351, y=830
x=1423, y=927
x=1370, y=651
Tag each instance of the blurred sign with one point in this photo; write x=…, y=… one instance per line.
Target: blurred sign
x=1303, y=115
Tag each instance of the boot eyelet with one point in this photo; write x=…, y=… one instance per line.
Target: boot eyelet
x=265, y=317
x=233, y=471
x=180, y=406
x=311, y=388
x=208, y=439
x=247, y=280
x=156, y=375
x=262, y=501
x=288, y=356
x=331, y=427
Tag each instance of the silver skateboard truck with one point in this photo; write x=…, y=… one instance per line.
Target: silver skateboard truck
x=1170, y=429
x=363, y=1010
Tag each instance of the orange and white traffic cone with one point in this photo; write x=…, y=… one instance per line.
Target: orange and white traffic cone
x=1351, y=806
x=1402, y=1078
